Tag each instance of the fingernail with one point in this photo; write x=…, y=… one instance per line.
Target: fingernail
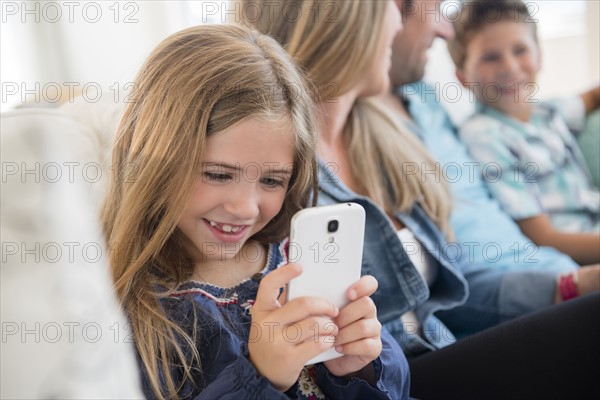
x=338, y=349
x=352, y=294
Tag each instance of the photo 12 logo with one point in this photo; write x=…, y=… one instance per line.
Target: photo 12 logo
x=66, y=92
x=69, y=11
x=238, y=11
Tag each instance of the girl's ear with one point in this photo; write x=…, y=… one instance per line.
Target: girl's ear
x=460, y=76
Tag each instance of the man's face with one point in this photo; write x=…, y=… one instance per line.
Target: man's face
x=423, y=22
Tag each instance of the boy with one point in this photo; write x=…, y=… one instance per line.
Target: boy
x=530, y=157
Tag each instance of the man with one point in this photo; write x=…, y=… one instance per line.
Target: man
x=487, y=238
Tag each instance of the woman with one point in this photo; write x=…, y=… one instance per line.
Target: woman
x=355, y=130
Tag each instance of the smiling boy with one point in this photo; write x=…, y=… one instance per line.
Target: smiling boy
x=533, y=165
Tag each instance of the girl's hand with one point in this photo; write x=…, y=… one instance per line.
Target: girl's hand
x=359, y=336
x=284, y=337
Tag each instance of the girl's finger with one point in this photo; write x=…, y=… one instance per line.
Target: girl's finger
x=368, y=347
x=366, y=286
x=359, y=309
x=310, y=348
x=270, y=286
x=304, y=307
x=365, y=328
x=314, y=328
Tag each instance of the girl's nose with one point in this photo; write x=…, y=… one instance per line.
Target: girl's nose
x=244, y=203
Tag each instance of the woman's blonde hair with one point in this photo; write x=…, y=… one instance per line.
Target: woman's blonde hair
x=333, y=41
x=196, y=83
x=336, y=50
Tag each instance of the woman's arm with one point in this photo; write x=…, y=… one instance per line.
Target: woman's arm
x=584, y=248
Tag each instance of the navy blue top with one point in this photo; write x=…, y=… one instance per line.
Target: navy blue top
x=222, y=320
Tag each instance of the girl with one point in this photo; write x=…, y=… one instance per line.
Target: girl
x=211, y=160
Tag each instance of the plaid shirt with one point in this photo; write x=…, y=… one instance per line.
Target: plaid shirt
x=537, y=167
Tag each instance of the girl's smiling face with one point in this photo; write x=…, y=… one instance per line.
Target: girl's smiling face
x=245, y=174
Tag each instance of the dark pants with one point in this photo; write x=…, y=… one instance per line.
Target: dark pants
x=550, y=354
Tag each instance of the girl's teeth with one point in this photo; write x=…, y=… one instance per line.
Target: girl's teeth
x=229, y=228
x=226, y=228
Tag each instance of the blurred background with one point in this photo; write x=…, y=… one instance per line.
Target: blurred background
x=51, y=50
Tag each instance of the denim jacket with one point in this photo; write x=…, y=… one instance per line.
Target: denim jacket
x=401, y=287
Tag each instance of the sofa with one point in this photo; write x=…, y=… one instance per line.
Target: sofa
x=64, y=335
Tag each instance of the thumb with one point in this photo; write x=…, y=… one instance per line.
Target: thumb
x=270, y=286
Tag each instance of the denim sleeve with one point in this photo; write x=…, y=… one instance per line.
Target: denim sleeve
x=497, y=296
x=240, y=380
x=525, y=291
x=391, y=371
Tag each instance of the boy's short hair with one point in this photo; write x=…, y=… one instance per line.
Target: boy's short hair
x=473, y=16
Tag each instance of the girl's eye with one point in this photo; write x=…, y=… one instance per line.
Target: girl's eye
x=219, y=177
x=273, y=182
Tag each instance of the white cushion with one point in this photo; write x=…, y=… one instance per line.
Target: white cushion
x=64, y=335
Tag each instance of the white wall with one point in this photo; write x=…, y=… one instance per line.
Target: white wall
x=593, y=38
x=81, y=48
x=47, y=44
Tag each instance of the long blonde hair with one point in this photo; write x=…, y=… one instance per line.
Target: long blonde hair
x=338, y=52
x=196, y=83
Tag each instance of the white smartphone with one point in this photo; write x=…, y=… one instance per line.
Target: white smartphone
x=328, y=242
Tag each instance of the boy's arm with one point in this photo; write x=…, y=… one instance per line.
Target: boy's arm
x=591, y=99
x=584, y=248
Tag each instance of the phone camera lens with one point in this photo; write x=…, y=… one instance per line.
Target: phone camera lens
x=332, y=226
